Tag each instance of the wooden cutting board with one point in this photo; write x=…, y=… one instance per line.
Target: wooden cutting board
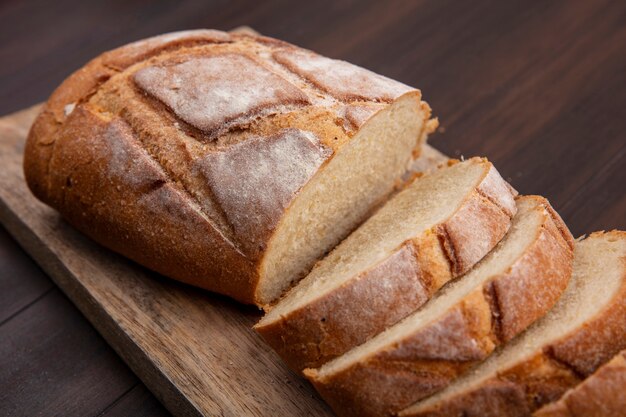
x=194, y=350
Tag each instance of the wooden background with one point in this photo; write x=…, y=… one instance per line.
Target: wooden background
x=538, y=87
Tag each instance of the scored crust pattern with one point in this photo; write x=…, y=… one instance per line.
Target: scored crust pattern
x=341, y=79
x=199, y=100
x=212, y=93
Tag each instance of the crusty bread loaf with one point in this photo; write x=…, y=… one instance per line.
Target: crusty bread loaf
x=603, y=394
x=228, y=161
x=434, y=230
x=518, y=282
x=585, y=329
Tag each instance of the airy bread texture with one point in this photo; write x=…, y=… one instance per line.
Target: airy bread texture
x=518, y=282
x=434, y=230
x=584, y=330
x=603, y=394
x=228, y=161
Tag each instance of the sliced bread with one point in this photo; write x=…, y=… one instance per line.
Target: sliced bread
x=518, y=282
x=603, y=394
x=585, y=329
x=434, y=230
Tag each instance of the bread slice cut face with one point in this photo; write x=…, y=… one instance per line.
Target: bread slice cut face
x=510, y=288
x=585, y=329
x=232, y=162
x=434, y=230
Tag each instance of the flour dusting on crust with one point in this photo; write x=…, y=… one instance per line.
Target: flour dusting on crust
x=219, y=92
x=255, y=180
x=341, y=79
x=127, y=162
x=358, y=114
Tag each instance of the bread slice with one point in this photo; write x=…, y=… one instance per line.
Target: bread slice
x=429, y=233
x=584, y=330
x=518, y=282
x=229, y=161
x=603, y=394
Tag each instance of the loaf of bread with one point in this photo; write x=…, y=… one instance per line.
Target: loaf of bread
x=431, y=232
x=603, y=394
x=227, y=161
x=517, y=283
x=235, y=162
x=584, y=330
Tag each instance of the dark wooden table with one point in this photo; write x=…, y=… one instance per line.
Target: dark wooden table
x=538, y=87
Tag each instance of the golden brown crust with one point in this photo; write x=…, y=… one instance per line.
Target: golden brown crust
x=146, y=86
x=107, y=186
x=546, y=375
x=322, y=330
x=332, y=324
x=494, y=400
x=83, y=83
x=476, y=227
x=597, y=342
x=600, y=395
x=429, y=359
x=521, y=301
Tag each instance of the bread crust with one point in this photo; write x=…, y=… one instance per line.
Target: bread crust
x=600, y=395
x=429, y=359
x=107, y=186
x=547, y=374
x=336, y=322
x=120, y=88
x=83, y=84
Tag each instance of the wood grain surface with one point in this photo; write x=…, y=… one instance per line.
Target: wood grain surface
x=538, y=87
